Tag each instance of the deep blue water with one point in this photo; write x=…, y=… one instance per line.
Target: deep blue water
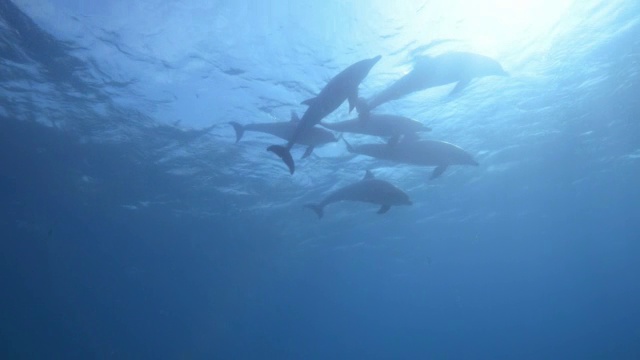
x=133, y=227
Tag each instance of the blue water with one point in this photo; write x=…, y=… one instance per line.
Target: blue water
x=133, y=227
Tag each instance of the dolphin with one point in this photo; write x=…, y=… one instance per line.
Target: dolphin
x=284, y=129
x=458, y=67
x=417, y=152
x=379, y=125
x=340, y=88
x=370, y=190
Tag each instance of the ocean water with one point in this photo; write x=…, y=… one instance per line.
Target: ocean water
x=134, y=227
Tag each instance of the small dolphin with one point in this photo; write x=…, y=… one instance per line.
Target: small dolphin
x=417, y=152
x=342, y=87
x=284, y=130
x=379, y=125
x=460, y=67
x=370, y=190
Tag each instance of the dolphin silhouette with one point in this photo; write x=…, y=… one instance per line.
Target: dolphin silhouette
x=458, y=67
x=417, y=152
x=284, y=130
x=340, y=88
x=378, y=125
x=370, y=190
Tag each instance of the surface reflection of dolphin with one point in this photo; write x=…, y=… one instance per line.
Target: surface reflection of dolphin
x=451, y=67
x=417, y=152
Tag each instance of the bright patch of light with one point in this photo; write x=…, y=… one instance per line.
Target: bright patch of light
x=500, y=25
x=490, y=27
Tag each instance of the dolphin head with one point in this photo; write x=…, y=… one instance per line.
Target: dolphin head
x=363, y=67
x=375, y=59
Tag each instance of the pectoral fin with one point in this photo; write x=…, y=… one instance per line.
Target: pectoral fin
x=438, y=171
x=307, y=152
x=460, y=86
x=353, y=100
x=384, y=209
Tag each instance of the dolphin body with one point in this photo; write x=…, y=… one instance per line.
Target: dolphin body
x=370, y=190
x=418, y=152
x=284, y=130
x=342, y=87
x=379, y=125
x=458, y=67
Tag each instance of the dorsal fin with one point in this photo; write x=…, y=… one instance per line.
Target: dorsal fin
x=294, y=116
x=368, y=175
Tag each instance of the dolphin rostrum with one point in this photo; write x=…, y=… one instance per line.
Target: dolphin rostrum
x=417, y=152
x=284, y=129
x=342, y=87
x=370, y=190
x=458, y=67
x=379, y=125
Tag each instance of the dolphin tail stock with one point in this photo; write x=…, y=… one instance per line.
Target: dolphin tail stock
x=239, y=130
x=318, y=209
x=284, y=154
x=363, y=109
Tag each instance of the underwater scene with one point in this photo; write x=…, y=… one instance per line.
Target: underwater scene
x=320, y=179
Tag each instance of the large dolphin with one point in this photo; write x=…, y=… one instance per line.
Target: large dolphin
x=378, y=125
x=284, y=130
x=342, y=87
x=370, y=190
x=458, y=67
x=417, y=152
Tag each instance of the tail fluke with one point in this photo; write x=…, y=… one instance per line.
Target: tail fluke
x=285, y=155
x=239, y=130
x=316, y=208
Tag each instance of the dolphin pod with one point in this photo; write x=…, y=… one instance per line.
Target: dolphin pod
x=417, y=152
x=404, y=144
x=369, y=190
x=284, y=129
x=342, y=87
x=451, y=67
